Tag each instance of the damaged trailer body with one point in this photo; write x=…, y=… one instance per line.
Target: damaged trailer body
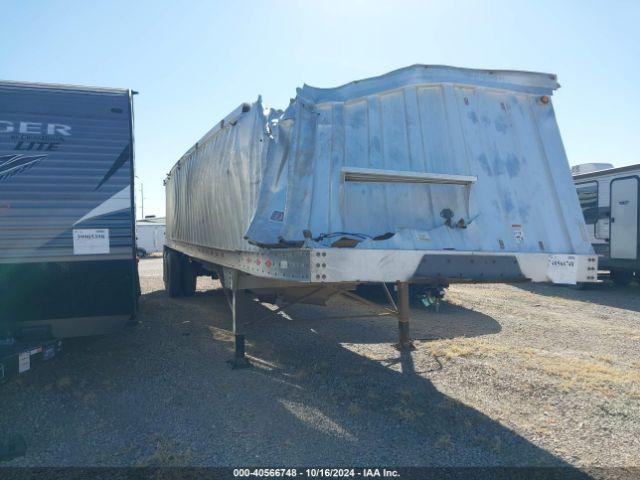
x=427, y=174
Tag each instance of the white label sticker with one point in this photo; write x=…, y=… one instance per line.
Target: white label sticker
x=90, y=241
x=562, y=269
x=24, y=362
x=284, y=264
x=518, y=234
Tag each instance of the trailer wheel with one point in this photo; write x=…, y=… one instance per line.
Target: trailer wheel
x=189, y=277
x=622, y=278
x=172, y=270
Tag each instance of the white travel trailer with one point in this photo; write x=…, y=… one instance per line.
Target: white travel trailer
x=150, y=234
x=609, y=201
x=67, y=211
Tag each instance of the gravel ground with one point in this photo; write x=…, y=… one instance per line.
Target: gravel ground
x=503, y=375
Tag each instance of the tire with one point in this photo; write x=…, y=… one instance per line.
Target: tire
x=188, y=278
x=141, y=252
x=622, y=278
x=172, y=273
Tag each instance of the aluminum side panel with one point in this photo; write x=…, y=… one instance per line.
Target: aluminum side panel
x=212, y=192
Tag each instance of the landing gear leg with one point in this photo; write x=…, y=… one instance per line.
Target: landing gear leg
x=404, y=310
x=239, y=303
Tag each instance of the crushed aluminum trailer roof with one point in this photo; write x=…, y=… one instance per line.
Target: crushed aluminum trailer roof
x=425, y=159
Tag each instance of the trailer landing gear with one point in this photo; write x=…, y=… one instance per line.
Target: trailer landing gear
x=404, y=314
x=239, y=309
x=239, y=298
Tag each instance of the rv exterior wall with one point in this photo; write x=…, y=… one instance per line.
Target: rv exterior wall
x=615, y=243
x=67, y=216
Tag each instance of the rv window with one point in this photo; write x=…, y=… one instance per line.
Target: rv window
x=588, y=196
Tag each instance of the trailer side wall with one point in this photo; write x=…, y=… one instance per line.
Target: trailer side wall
x=67, y=257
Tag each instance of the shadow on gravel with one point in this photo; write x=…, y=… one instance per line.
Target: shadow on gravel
x=605, y=293
x=451, y=321
x=161, y=394
x=356, y=411
x=416, y=423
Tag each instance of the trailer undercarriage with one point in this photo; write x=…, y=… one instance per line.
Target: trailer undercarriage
x=291, y=276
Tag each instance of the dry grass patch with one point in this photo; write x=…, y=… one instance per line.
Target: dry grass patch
x=63, y=382
x=165, y=455
x=353, y=409
x=590, y=372
x=407, y=413
x=444, y=442
x=464, y=347
x=221, y=335
x=493, y=444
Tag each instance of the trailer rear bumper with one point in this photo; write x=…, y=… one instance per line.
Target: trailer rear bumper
x=340, y=265
x=353, y=265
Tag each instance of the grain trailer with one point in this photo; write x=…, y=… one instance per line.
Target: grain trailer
x=427, y=174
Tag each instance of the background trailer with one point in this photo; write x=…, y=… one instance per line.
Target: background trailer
x=67, y=250
x=609, y=201
x=150, y=233
x=427, y=175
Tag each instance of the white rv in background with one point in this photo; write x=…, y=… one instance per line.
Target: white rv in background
x=609, y=200
x=150, y=234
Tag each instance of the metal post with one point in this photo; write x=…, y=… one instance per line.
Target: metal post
x=239, y=303
x=403, y=316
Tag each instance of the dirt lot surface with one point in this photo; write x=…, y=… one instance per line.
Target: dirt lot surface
x=503, y=375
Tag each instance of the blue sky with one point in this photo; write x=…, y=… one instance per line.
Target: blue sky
x=195, y=61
